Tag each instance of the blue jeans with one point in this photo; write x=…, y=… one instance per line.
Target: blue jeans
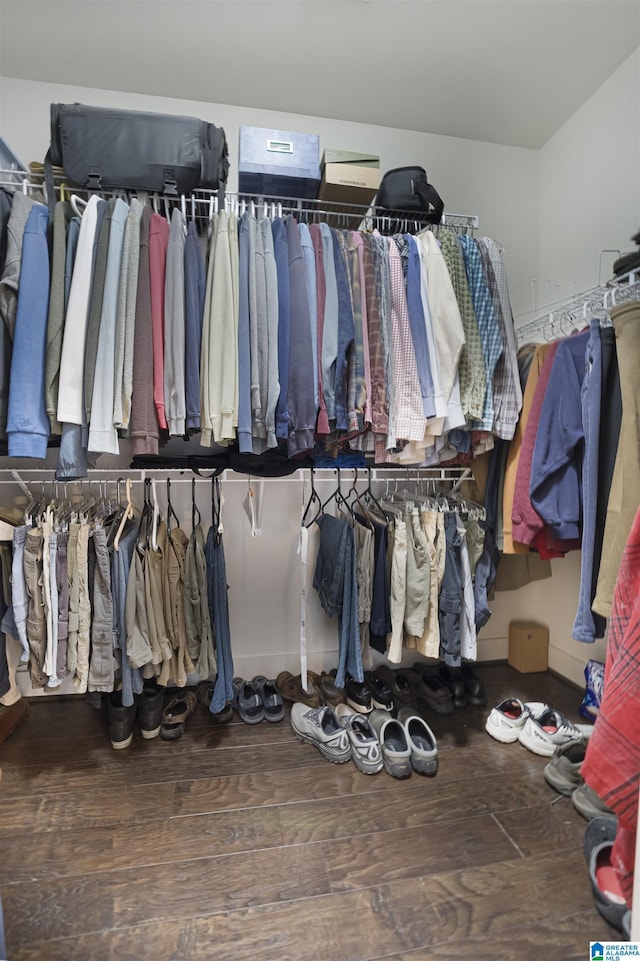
x=19, y=599
x=120, y=566
x=219, y=613
x=335, y=580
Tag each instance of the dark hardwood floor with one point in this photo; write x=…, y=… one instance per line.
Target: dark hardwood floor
x=240, y=842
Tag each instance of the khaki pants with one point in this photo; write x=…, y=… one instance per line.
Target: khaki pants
x=84, y=609
x=36, y=621
x=624, y=496
x=398, y=592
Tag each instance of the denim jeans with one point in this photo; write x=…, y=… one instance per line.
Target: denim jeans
x=450, y=600
x=219, y=613
x=335, y=580
x=121, y=561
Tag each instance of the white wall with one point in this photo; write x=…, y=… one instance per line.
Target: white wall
x=589, y=187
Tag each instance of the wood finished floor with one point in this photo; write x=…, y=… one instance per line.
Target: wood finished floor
x=242, y=843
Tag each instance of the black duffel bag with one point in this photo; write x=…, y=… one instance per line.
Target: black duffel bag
x=103, y=147
x=407, y=189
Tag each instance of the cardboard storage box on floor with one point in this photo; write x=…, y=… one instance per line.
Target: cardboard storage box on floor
x=349, y=183
x=278, y=163
x=528, y=646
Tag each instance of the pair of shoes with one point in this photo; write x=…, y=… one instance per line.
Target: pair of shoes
x=358, y=695
x=562, y=772
x=587, y=803
x=381, y=693
x=320, y=726
x=147, y=706
x=365, y=746
x=407, y=743
x=546, y=731
x=247, y=701
x=599, y=838
x=402, y=684
x=433, y=689
x=331, y=693
x=272, y=702
x=204, y=693
x=290, y=686
x=507, y=719
x=176, y=713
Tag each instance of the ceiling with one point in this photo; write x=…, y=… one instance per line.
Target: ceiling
x=504, y=71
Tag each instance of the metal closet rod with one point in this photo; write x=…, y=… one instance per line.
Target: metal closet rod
x=21, y=179
x=111, y=475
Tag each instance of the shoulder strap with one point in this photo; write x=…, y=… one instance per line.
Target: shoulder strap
x=431, y=200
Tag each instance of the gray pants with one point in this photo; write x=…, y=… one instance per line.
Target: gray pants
x=36, y=623
x=102, y=663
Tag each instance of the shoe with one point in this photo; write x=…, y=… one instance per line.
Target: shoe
x=543, y=734
x=272, y=701
x=176, y=713
x=120, y=720
x=320, y=726
x=204, y=693
x=365, y=746
x=587, y=803
x=396, y=751
x=474, y=688
x=450, y=677
x=402, y=683
x=422, y=742
x=435, y=693
x=602, y=828
x=605, y=887
x=331, y=693
x=247, y=701
x=509, y=717
x=381, y=693
x=563, y=770
x=358, y=695
x=344, y=710
x=150, y=708
x=290, y=686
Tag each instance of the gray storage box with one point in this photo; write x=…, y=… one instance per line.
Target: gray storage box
x=279, y=163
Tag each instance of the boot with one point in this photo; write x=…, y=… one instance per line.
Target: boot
x=121, y=720
x=150, y=707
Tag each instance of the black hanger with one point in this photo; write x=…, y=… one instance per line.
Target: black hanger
x=369, y=497
x=313, y=499
x=194, y=511
x=142, y=541
x=339, y=499
x=170, y=511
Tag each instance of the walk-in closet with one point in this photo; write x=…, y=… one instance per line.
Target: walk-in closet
x=319, y=497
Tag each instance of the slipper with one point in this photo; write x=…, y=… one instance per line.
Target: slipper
x=175, y=714
x=247, y=701
x=271, y=698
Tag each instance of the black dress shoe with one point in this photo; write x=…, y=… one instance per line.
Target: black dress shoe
x=452, y=679
x=381, y=693
x=121, y=720
x=473, y=686
x=436, y=694
x=358, y=695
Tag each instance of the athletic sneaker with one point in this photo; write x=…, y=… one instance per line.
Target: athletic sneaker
x=507, y=719
x=549, y=730
x=365, y=746
x=320, y=726
x=563, y=770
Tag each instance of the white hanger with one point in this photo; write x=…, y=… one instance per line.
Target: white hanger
x=76, y=203
x=155, y=517
x=127, y=515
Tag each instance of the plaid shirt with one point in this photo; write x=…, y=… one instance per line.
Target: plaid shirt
x=357, y=391
x=500, y=274
x=505, y=400
x=471, y=367
x=379, y=412
x=487, y=322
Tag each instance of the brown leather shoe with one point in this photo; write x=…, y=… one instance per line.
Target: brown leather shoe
x=330, y=693
x=290, y=686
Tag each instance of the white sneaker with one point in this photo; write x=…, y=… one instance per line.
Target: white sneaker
x=551, y=729
x=366, y=752
x=320, y=726
x=507, y=719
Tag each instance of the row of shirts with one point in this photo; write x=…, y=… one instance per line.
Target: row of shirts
x=269, y=332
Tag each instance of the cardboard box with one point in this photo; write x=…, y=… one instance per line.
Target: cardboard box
x=331, y=156
x=349, y=184
x=528, y=646
x=278, y=163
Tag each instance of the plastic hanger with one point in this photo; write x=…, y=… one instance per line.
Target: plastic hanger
x=155, y=517
x=313, y=500
x=170, y=511
x=194, y=511
x=127, y=515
